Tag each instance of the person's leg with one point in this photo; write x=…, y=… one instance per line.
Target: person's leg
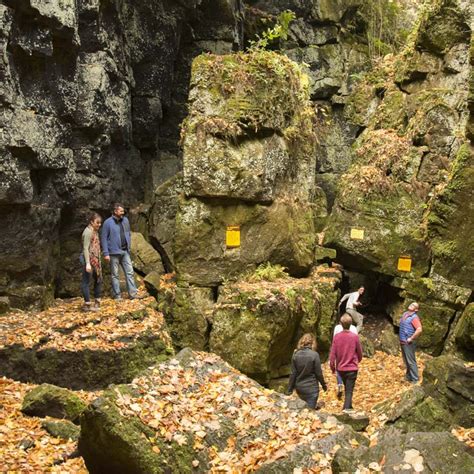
x=357, y=319
x=349, y=379
x=97, y=288
x=411, y=361
x=405, y=361
x=114, y=274
x=129, y=276
x=340, y=385
x=85, y=285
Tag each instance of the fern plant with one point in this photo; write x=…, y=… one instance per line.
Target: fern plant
x=278, y=32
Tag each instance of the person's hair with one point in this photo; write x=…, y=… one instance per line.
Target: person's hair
x=307, y=340
x=413, y=306
x=346, y=321
x=361, y=287
x=93, y=217
x=116, y=206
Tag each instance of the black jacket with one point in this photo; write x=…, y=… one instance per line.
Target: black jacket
x=306, y=373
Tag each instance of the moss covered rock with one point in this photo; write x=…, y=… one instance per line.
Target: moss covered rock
x=196, y=413
x=255, y=326
x=111, y=442
x=443, y=26
x=282, y=233
x=61, y=429
x=450, y=226
x=449, y=380
x=464, y=331
x=248, y=160
x=49, y=400
x=429, y=452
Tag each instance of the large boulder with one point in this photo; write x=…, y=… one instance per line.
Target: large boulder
x=49, y=400
x=255, y=326
x=248, y=161
x=84, y=350
x=196, y=413
x=281, y=233
x=145, y=258
x=414, y=452
x=449, y=380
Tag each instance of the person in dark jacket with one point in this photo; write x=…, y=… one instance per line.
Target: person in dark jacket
x=306, y=373
x=116, y=245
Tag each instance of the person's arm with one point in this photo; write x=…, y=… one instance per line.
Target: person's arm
x=358, y=349
x=332, y=356
x=318, y=372
x=292, y=381
x=104, y=238
x=418, y=329
x=86, y=242
x=344, y=298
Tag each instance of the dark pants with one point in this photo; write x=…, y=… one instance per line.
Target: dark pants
x=348, y=379
x=310, y=399
x=86, y=279
x=409, y=357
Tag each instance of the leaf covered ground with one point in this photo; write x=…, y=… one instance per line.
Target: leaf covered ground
x=26, y=447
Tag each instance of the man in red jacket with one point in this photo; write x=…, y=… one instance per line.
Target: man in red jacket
x=346, y=353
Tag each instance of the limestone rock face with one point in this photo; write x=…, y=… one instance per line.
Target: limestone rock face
x=248, y=160
x=90, y=106
x=464, y=331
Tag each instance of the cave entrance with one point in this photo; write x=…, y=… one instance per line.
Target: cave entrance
x=379, y=302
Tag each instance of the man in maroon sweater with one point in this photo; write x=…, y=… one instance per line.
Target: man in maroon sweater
x=346, y=353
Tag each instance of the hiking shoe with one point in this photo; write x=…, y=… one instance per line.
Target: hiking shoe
x=340, y=390
x=88, y=307
x=137, y=297
x=97, y=305
x=349, y=411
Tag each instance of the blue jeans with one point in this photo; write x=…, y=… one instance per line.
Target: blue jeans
x=338, y=378
x=125, y=262
x=86, y=279
x=409, y=358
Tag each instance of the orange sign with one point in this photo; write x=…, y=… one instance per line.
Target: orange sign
x=404, y=264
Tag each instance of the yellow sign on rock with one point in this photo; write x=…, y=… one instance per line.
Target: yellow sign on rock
x=232, y=236
x=404, y=264
x=357, y=234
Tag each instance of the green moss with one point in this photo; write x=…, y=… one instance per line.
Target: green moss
x=267, y=272
x=111, y=442
x=49, y=400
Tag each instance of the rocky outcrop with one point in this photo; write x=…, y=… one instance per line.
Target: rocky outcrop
x=218, y=419
x=91, y=103
x=414, y=452
x=84, y=350
x=248, y=161
x=255, y=326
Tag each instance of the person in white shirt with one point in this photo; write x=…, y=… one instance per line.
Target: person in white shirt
x=352, y=303
x=340, y=384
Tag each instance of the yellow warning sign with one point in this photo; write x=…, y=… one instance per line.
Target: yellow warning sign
x=357, y=234
x=232, y=236
x=404, y=264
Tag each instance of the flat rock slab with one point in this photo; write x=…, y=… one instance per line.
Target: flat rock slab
x=69, y=348
x=358, y=420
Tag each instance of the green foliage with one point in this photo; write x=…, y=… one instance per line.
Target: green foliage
x=267, y=272
x=384, y=31
x=279, y=31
